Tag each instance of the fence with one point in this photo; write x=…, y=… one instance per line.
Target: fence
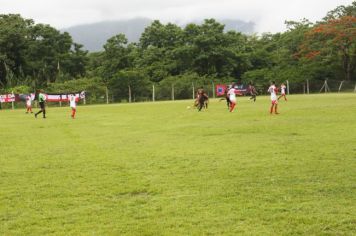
x=172, y=91
x=177, y=91
x=325, y=86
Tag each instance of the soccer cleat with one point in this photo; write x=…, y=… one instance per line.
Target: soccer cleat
x=35, y=115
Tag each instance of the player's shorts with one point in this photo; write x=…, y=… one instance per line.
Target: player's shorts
x=233, y=101
x=274, y=102
x=42, y=105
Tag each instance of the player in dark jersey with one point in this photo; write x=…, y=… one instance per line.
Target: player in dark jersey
x=41, y=102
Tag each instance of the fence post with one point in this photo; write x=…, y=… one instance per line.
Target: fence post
x=193, y=90
x=212, y=82
x=340, y=86
x=287, y=87
x=130, y=97
x=303, y=88
x=355, y=89
x=107, y=94
x=325, y=87
x=153, y=93
x=322, y=87
x=307, y=86
x=172, y=92
x=12, y=103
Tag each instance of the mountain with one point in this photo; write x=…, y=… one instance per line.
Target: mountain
x=94, y=36
x=238, y=25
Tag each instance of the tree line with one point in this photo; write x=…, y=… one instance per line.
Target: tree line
x=36, y=56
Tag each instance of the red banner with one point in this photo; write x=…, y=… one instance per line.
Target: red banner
x=7, y=98
x=64, y=97
x=49, y=97
x=220, y=89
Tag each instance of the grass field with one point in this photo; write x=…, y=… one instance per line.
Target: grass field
x=162, y=169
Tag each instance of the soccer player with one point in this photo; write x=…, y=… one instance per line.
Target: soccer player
x=227, y=98
x=232, y=98
x=29, y=104
x=73, y=105
x=41, y=101
x=252, y=91
x=202, y=99
x=273, y=91
x=283, y=92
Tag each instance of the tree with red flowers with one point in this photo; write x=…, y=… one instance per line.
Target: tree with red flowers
x=335, y=37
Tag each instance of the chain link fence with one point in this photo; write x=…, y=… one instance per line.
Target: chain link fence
x=179, y=90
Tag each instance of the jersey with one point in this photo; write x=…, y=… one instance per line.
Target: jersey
x=28, y=101
x=72, y=102
x=283, y=89
x=41, y=97
x=273, y=91
x=252, y=90
x=232, y=95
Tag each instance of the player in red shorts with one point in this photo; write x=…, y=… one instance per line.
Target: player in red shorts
x=273, y=90
x=232, y=93
x=283, y=92
x=73, y=105
x=28, y=104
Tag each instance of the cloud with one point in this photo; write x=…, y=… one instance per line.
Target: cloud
x=268, y=15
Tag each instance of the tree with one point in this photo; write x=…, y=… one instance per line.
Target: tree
x=14, y=32
x=341, y=11
x=36, y=54
x=334, y=38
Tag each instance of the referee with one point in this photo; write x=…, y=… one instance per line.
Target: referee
x=41, y=101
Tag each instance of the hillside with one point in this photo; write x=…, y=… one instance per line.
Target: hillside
x=94, y=36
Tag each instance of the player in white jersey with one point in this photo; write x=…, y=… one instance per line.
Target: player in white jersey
x=283, y=92
x=28, y=104
x=73, y=104
x=232, y=98
x=273, y=91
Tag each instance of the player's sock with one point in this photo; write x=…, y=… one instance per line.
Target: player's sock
x=232, y=106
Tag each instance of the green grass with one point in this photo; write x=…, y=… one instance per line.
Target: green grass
x=162, y=169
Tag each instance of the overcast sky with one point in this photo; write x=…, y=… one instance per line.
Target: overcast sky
x=268, y=15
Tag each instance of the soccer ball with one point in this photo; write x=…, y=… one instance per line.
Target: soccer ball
x=188, y=107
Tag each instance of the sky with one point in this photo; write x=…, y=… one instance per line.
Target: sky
x=268, y=15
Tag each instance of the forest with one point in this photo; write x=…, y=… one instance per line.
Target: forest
x=38, y=56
